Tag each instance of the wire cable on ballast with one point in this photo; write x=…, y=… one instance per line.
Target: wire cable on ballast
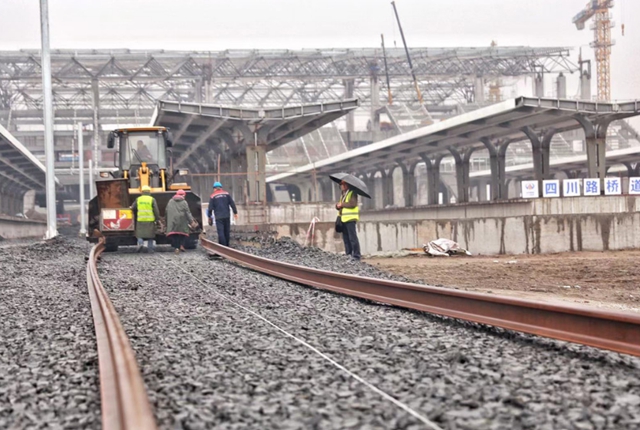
x=375, y=389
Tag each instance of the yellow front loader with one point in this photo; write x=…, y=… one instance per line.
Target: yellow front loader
x=142, y=159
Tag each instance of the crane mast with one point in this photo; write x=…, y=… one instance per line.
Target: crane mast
x=602, y=43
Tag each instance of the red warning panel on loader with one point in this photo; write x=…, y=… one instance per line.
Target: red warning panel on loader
x=116, y=220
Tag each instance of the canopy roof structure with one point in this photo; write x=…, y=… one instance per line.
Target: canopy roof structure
x=505, y=121
x=202, y=131
x=19, y=168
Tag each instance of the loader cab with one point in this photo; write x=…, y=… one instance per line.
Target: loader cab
x=142, y=156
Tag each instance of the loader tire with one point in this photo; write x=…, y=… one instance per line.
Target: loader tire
x=111, y=247
x=191, y=243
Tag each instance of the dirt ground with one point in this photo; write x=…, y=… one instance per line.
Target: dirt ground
x=602, y=279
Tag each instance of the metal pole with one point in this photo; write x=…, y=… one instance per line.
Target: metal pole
x=90, y=179
x=96, y=139
x=406, y=49
x=83, y=220
x=52, y=228
x=386, y=72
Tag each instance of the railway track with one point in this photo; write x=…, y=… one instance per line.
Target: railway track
x=125, y=404
x=615, y=331
x=124, y=400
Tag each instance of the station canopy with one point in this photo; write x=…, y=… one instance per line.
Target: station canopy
x=19, y=168
x=505, y=120
x=230, y=130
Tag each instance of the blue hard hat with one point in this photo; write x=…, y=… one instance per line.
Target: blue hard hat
x=217, y=185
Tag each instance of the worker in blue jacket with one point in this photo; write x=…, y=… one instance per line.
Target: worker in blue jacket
x=219, y=204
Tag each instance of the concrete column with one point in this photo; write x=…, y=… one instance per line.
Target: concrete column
x=595, y=136
x=387, y=188
x=596, y=157
x=349, y=87
x=433, y=177
x=408, y=185
x=256, y=165
x=497, y=160
x=478, y=89
x=541, y=149
x=197, y=96
x=462, y=173
x=561, y=86
x=374, y=116
x=538, y=85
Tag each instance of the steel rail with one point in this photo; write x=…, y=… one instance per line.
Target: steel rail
x=125, y=405
x=615, y=331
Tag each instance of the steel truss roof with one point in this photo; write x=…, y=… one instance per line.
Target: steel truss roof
x=127, y=83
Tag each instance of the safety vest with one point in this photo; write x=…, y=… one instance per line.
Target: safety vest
x=349, y=214
x=145, y=209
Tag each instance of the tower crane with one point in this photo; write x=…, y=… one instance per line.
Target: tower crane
x=602, y=43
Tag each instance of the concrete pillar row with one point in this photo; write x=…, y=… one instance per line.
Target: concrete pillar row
x=541, y=149
x=462, y=159
x=408, y=184
x=595, y=136
x=497, y=157
x=387, y=187
x=433, y=177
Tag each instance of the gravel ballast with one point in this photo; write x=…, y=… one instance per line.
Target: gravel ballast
x=206, y=361
x=48, y=358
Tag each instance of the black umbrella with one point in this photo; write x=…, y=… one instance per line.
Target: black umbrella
x=354, y=183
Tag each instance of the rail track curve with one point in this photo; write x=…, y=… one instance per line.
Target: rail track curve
x=125, y=405
x=615, y=331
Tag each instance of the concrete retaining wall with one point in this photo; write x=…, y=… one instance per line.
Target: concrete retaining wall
x=18, y=228
x=515, y=227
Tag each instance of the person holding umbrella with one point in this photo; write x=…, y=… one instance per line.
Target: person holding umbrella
x=348, y=211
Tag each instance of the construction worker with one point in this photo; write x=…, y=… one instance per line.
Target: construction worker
x=219, y=204
x=349, y=215
x=143, y=152
x=179, y=219
x=147, y=214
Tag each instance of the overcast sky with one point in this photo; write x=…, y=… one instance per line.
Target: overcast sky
x=296, y=24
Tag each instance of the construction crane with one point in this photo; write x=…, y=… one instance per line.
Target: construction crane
x=602, y=43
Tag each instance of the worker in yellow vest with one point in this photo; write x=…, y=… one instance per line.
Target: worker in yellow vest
x=349, y=215
x=147, y=213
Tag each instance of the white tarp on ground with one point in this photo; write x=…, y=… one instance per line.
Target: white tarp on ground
x=444, y=247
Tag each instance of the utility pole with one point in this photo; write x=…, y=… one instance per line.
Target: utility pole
x=52, y=228
x=83, y=220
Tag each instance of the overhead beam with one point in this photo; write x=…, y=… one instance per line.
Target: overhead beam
x=201, y=140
